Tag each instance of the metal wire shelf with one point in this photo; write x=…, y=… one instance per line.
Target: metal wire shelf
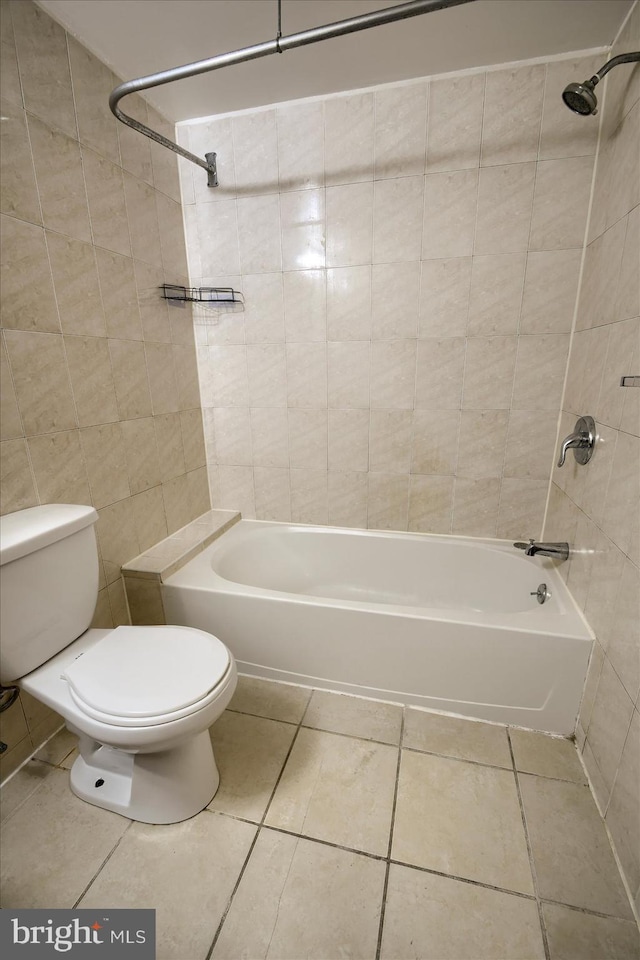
x=212, y=295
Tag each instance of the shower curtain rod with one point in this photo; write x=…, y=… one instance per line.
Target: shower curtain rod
x=402, y=11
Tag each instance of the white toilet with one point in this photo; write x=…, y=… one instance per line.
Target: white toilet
x=140, y=699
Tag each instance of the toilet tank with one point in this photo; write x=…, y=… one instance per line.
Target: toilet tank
x=48, y=583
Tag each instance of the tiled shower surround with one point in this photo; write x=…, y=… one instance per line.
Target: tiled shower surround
x=597, y=509
x=100, y=400
x=409, y=259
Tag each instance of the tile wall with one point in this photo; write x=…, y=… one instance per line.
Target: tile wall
x=597, y=507
x=409, y=258
x=100, y=399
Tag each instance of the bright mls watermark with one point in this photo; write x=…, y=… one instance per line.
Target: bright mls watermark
x=78, y=934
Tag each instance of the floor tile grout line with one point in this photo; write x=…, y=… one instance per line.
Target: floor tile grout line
x=259, y=827
x=534, y=876
x=104, y=863
x=385, y=886
x=229, y=902
x=403, y=746
x=591, y=913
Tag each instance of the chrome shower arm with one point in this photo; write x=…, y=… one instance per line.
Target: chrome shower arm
x=403, y=11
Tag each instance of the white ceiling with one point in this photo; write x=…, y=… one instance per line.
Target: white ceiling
x=139, y=37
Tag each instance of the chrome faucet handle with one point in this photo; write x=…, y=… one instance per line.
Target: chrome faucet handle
x=582, y=441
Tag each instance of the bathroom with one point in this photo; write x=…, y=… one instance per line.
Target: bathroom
x=380, y=374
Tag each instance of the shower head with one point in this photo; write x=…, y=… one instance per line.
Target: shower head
x=580, y=97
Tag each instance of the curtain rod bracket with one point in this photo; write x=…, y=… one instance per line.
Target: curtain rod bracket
x=212, y=169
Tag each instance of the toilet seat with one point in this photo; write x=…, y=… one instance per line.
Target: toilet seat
x=145, y=676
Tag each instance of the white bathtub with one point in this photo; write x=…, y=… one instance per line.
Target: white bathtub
x=447, y=623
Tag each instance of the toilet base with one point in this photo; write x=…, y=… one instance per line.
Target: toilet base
x=150, y=787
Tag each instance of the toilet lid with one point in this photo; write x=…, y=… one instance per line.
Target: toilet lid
x=138, y=673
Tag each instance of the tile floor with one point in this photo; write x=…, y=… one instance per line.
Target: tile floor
x=343, y=828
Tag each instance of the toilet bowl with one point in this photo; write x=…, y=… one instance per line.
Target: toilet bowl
x=140, y=699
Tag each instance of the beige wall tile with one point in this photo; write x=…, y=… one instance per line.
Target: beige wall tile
x=19, y=192
x=130, y=377
x=348, y=445
x=305, y=305
x=105, y=458
x=161, y=378
x=300, y=129
x=390, y=435
x=505, y=196
x=349, y=138
x=430, y=502
x=269, y=437
x=349, y=373
x=489, y=372
x=308, y=439
x=512, y=114
x=395, y=290
x=142, y=454
x=550, y=289
x=41, y=379
x=397, y=219
x=349, y=303
x=44, y=66
x=400, y=131
x=388, y=501
x=621, y=816
x=475, y=506
x=560, y=203
x=259, y=234
x=450, y=206
x=150, y=521
x=17, y=490
x=521, y=508
x=28, y=299
x=530, y=431
x=444, y=297
x=306, y=374
x=117, y=536
x=267, y=374
x=119, y=296
x=232, y=435
x=272, y=490
x=347, y=499
x=75, y=278
x=9, y=76
x=92, y=83
x=10, y=424
x=59, y=468
x=143, y=220
x=483, y=436
x=455, y=122
x=349, y=224
x=302, y=221
x=61, y=181
x=309, y=496
x=435, y=442
x=145, y=601
x=440, y=366
x=495, y=295
x=393, y=374
x=107, y=208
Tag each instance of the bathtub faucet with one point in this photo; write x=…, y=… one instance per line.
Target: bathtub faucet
x=558, y=551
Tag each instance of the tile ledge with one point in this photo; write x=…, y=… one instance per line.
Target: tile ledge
x=169, y=555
